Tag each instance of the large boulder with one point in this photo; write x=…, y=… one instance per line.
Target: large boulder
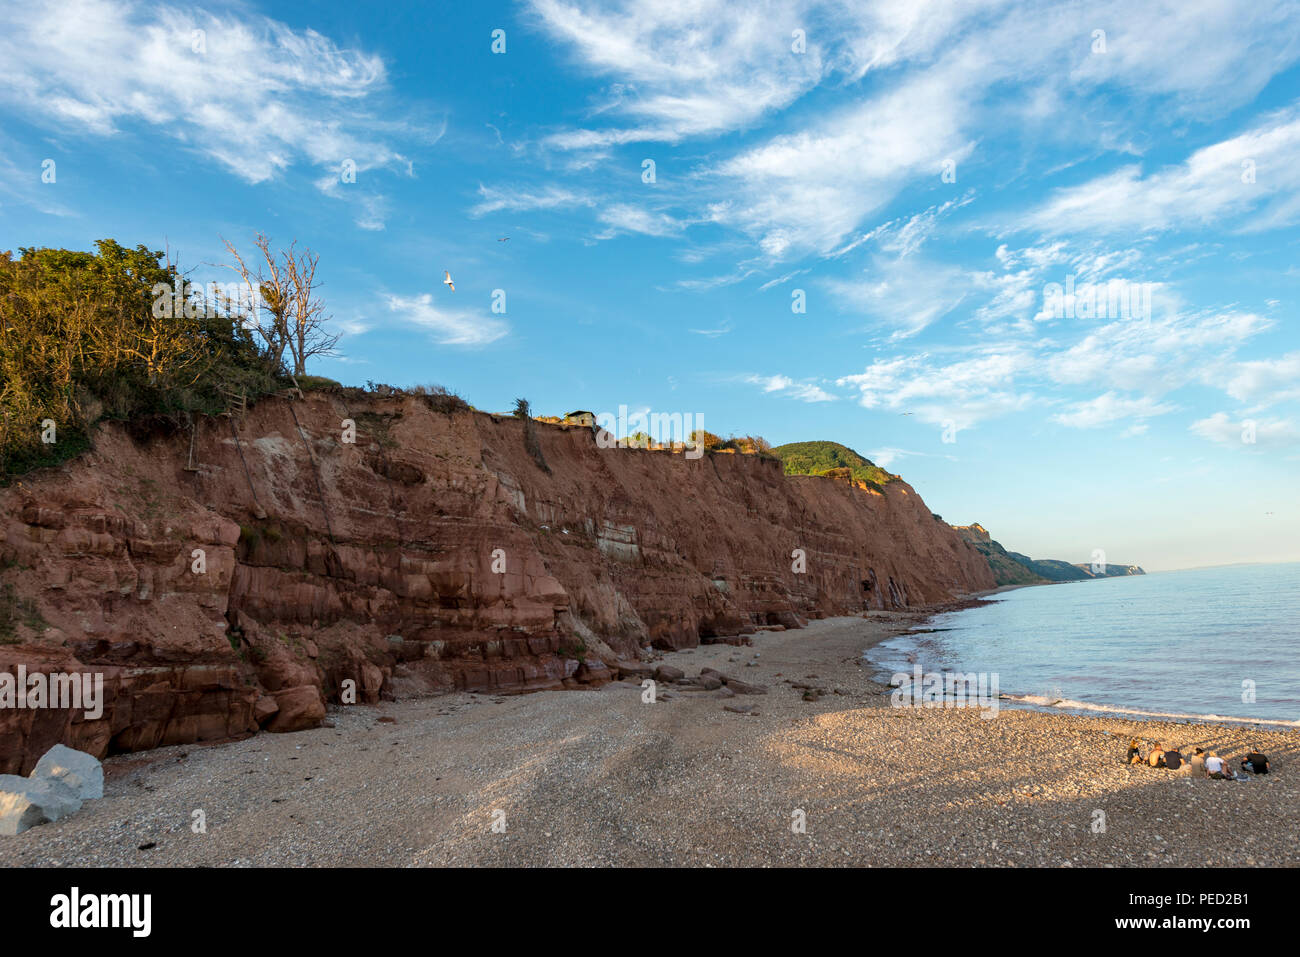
x=264, y=709
x=634, y=669
x=81, y=772
x=27, y=802
x=300, y=708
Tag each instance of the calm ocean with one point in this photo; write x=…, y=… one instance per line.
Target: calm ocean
x=1185, y=644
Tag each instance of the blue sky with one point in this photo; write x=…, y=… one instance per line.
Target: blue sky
x=929, y=178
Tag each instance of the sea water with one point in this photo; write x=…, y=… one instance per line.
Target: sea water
x=1206, y=644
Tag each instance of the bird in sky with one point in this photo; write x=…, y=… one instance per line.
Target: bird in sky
x=504, y=239
x=447, y=281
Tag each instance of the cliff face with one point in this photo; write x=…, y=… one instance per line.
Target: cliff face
x=292, y=567
x=1007, y=567
x=1013, y=568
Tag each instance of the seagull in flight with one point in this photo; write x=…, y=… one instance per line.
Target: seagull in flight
x=504, y=239
x=447, y=281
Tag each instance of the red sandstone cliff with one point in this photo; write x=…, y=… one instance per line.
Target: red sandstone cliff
x=378, y=564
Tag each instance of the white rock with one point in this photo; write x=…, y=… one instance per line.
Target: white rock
x=78, y=770
x=27, y=802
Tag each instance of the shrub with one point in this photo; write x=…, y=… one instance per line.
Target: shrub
x=440, y=399
x=523, y=411
x=83, y=337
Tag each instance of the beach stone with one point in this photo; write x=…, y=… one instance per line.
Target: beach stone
x=744, y=687
x=669, y=673
x=28, y=802
x=709, y=682
x=634, y=669
x=81, y=772
x=301, y=707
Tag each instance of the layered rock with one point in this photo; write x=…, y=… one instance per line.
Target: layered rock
x=290, y=566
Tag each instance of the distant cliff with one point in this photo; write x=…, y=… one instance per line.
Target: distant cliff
x=1013, y=568
x=1008, y=569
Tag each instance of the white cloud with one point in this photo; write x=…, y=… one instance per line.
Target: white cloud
x=721, y=330
x=523, y=199
x=261, y=98
x=682, y=68
x=1154, y=355
x=886, y=457
x=962, y=393
x=1110, y=407
x=1265, y=380
x=623, y=218
x=904, y=294
x=458, y=327
x=1236, y=432
x=957, y=71
x=1205, y=191
x=806, y=191
x=784, y=385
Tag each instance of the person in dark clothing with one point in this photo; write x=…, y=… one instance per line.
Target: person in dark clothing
x=1134, y=755
x=1173, y=759
x=1255, y=762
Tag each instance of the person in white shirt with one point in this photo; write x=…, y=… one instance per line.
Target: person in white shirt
x=1216, y=768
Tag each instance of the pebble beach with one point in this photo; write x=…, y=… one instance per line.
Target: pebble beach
x=821, y=770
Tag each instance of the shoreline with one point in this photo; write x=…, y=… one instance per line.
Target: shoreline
x=599, y=778
x=1019, y=699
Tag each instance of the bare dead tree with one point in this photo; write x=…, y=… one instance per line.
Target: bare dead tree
x=286, y=313
x=307, y=334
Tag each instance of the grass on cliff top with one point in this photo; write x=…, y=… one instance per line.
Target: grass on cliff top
x=823, y=458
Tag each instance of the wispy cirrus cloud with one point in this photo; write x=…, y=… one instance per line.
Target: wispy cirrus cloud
x=626, y=218
x=962, y=393
x=721, y=330
x=1110, y=407
x=246, y=91
x=806, y=391
x=1250, y=180
x=494, y=199
x=957, y=73
x=450, y=325
x=680, y=69
x=903, y=295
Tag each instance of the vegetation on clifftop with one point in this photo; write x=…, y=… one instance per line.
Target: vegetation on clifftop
x=123, y=334
x=825, y=458
x=80, y=341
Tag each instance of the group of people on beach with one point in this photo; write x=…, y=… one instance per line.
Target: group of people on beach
x=1202, y=763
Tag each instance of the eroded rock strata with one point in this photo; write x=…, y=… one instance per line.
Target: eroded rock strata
x=434, y=552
